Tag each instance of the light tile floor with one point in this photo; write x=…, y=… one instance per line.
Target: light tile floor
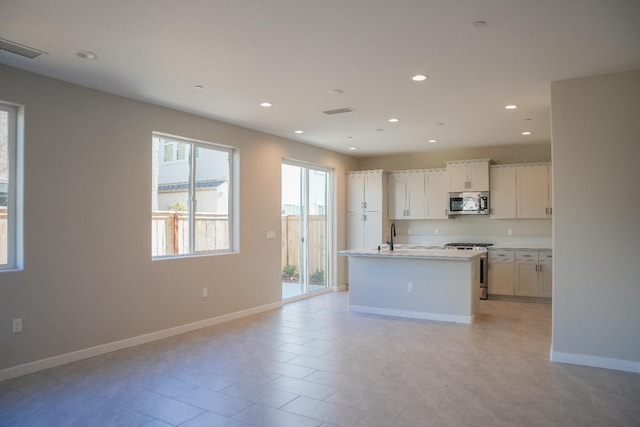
x=312, y=363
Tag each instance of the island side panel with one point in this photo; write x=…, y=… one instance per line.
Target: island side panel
x=444, y=290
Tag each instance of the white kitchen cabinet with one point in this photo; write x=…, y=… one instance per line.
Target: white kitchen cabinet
x=545, y=273
x=501, y=271
x=437, y=194
x=366, y=190
x=407, y=195
x=366, y=208
x=533, y=273
x=502, y=198
x=534, y=191
x=470, y=175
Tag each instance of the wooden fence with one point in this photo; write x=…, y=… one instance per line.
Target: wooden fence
x=291, y=242
x=169, y=236
x=169, y=232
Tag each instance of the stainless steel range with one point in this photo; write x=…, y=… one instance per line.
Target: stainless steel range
x=484, y=262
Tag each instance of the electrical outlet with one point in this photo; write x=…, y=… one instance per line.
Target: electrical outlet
x=436, y=231
x=205, y=292
x=16, y=326
x=509, y=232
x=410, y=287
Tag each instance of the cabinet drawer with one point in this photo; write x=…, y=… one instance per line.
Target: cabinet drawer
x=527, y=256
x=545, y=255
x=501, y=255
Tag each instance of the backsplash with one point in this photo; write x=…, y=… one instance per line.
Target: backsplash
x=473, y=228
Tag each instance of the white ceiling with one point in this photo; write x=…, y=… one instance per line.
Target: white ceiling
x=292, y=53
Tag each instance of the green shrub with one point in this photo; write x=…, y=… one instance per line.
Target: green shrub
x=289, y=270
x=317, y=277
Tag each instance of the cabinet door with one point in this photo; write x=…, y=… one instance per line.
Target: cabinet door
x=457, y=176
x=397, y=195
x=545, y=273
x=437, y=194
x=373, y=187
x=526, y=274
x=533, y=191
x=373, y=230
x=501, y=277
x=502, y=201
x=415, y=197
x=478, y=176
x=355, y=196
x=355, y=230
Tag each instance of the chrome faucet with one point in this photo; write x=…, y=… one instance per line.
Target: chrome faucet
x=392, y=234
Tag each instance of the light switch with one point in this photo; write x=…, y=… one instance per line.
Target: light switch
x=271, y=235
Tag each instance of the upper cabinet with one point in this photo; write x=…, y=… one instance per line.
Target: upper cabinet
x=521, y=191
x=502, y=203
x=366, y=190
x=437, y=194
x=534, y=191
x=468, y=175
x=407, y=195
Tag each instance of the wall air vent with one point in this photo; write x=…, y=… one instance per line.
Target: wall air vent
x=339, y=111
x=18, y=49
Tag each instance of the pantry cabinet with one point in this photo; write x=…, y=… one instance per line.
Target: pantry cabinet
x=407, y=195
x=468, y=175
x=366, y=208
x=437, y=194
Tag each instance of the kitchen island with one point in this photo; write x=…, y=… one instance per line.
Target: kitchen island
x=432, y=284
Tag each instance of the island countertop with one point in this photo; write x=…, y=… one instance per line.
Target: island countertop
x=424, y=253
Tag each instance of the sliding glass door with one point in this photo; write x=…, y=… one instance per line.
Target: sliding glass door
x=305, y=228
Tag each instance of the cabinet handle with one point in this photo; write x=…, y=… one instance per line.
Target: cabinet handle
x=365, y=205
x=550, y=211
x=364, y=217
x=540, y=268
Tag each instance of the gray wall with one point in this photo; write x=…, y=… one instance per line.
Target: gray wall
x=88, y=276
x=596, y=230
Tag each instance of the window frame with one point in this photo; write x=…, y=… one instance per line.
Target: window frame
x=15, y=186
x=194, y=155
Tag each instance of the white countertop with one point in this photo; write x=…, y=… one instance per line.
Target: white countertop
x=414, y=252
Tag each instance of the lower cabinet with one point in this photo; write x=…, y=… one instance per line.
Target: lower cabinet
x=526, y=273
x=533, y=273
x=501, y=273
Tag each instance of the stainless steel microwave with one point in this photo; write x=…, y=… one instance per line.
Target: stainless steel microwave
x=469, y=203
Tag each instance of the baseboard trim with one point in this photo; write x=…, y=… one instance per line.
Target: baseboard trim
x=411, y=314
x=62, y=359
x=595, y=361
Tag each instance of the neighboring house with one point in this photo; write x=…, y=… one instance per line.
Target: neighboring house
x=173, y=178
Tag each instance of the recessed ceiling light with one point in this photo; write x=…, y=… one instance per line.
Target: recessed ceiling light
x=199, y=87
x=419, y=78
x=352, y=148
x=510, y=107
x=433, y=140
x=336, y=91
x=528, y=119
x=479, y=24
x=380, y=130
x=86, y=54
x=393, y=120
x=527, y=132
x=298, y=131
x=265, y=104
x=439, y=123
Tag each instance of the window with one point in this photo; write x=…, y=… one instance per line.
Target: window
x=9, y=191
x=192, y=197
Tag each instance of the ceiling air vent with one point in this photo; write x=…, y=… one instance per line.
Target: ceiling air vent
x=339, y=111
x=18, y=49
